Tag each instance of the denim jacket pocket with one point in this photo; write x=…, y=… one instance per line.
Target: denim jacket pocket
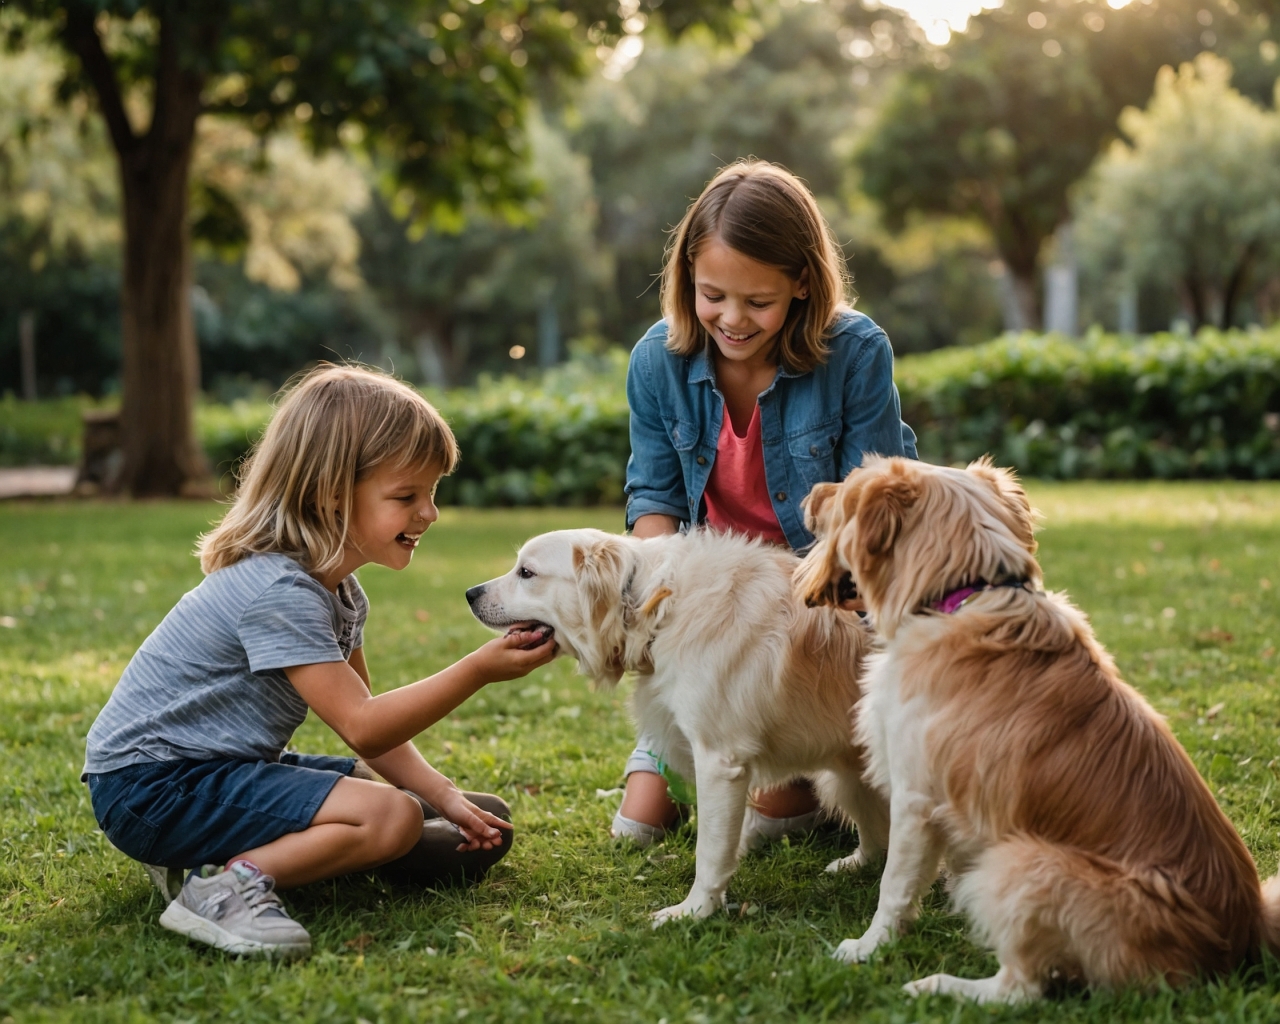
x=813, y=454
x=684, y=434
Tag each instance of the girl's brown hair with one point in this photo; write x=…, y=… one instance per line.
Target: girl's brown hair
x=766, y=213
x=335, y=425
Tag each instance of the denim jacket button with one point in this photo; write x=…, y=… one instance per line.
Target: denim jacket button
x=813, y=449
x=781, y=495
x=702, y=460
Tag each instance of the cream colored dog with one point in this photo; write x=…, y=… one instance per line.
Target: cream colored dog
x=1082, y=841
x=746, y=686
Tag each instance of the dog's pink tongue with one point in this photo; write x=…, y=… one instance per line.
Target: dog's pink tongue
x=542, y=630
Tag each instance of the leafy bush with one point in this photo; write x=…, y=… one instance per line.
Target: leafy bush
x=228, y=431
x=563, y=440
x=48, y=432
x=40, y=433
x=1107, y=406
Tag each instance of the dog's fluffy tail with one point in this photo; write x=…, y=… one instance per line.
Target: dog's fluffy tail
x=1271, y=914
x=1047, y=909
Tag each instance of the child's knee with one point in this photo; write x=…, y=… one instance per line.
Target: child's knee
x=402, y=824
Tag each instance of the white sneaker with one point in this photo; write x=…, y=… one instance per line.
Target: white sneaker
x=167, y=880
x=757, y=827
x=236, y=910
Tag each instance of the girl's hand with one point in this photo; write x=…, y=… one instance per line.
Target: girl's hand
x=478, y=827
x=504, y=658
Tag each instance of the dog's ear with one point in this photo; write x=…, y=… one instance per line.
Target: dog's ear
x=883, y=504
x=600, y=566
x=813, y=581
x=1022, y=517
x=813, y=504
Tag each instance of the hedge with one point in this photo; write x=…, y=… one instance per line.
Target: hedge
x=563, y=440
x=1104, y=406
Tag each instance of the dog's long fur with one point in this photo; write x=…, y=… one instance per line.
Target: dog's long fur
x=744, y=684
x=1082, y=840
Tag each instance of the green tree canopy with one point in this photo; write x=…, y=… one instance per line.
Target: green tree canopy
x=434, y=90
x=1192, y=199
x=1001, y=123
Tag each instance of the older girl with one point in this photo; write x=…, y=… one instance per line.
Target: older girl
x=759, y=382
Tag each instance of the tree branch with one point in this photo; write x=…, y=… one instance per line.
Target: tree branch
x=81, y=34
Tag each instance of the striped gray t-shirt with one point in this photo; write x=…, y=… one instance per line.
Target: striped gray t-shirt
x=209, y=682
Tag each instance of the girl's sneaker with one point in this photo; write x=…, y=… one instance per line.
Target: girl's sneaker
x=236, y=910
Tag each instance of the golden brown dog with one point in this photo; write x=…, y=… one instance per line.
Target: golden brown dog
x=1082, y=841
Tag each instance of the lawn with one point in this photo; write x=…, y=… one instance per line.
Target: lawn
x=1181, y=582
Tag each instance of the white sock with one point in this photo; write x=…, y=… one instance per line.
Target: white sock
x=757, y=827
x=637, y=831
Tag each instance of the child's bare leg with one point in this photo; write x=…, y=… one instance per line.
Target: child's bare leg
x=646, y=800
x=360, y=825
x=786, y=801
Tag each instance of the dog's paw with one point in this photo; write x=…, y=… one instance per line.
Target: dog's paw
x=856, y=861
x=661, y=917
x=691, y=907
x=929, y=986
x=856, y=951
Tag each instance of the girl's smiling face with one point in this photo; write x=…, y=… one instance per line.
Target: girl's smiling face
x=741, y=302
x=390, y=511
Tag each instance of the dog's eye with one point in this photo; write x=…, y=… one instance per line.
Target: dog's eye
x=525, y=573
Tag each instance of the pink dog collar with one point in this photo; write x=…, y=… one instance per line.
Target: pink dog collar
x=952, y=601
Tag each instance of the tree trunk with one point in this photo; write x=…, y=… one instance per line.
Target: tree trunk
x=1023, y=284
x=161, y=364
x=1195, y=301
x=161, y=361
x=1235, y=286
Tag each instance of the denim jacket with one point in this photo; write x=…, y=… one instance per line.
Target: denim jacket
x=815, y=426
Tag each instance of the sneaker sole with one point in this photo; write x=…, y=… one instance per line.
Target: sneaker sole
x=178, y=918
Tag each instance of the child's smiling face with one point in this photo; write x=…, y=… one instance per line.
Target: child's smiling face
x=390, y=511
x=741, y=302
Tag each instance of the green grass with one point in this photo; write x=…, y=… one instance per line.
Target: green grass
x=559, y=931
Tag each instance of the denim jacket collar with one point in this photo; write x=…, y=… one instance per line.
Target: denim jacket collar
x=701, y=369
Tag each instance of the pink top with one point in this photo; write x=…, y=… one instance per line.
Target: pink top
x=737, y=493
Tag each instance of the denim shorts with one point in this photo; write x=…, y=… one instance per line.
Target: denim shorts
x=182, y=814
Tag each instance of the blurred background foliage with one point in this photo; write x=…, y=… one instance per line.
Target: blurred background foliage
x=1106, y=406
x=948, y=165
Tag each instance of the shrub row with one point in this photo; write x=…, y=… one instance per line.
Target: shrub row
x=563, y=440
x=1104, y=406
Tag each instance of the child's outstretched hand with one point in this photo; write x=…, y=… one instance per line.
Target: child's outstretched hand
x=514, y=655
x=478, y=827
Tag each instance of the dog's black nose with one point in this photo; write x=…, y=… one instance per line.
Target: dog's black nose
x=473, y=595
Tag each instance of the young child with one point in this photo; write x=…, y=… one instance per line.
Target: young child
x=185, y=763
x=759, y=382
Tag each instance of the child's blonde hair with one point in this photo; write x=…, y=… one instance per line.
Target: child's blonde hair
x=766, y=213
x=335, y=425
